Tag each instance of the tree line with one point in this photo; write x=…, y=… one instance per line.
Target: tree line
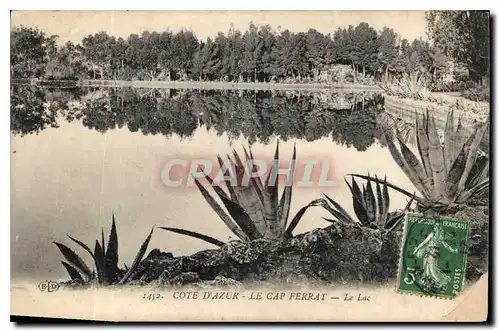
x=257, y=54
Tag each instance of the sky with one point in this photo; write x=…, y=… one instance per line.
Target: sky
x=75, y=25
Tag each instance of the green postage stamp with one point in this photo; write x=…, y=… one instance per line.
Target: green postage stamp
x=433, y=257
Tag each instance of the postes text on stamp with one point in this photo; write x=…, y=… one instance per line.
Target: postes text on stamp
x=433, y=257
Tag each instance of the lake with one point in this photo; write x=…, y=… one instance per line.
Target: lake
x=80, y=155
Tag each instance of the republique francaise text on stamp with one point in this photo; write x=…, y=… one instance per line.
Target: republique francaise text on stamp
x=433, y=256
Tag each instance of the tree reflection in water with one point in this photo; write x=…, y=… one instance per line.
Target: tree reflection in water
x=29, y=112
x=350, y=119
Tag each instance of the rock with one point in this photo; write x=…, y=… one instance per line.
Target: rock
x=184, y=279
x=477, y=256
x=74, y=283
x=219, y=283
x=338, y=254
x=386, y=265
x=156, y=264
x=207, y=263
x=139, y=282
x=243, y=253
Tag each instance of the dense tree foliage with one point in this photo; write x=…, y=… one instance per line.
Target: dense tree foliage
x=464, y=36
x=30, y=50
x=257, y=54
x=27, y=111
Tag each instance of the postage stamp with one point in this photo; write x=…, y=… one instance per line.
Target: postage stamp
x=249, y=166
x=434, y=255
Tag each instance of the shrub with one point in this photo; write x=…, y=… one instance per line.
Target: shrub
x=477, y=93
x=453, y=86
x=408, y=86
x=372, y=210
x=106, y=260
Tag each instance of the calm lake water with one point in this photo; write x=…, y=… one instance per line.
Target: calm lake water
x=77, y=156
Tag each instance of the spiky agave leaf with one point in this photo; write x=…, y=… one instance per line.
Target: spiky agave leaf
x=245, y=212
x=221, y=213
x=339, y=212
x=423, y=145
x=479, y=172
x=111, y=261
x=137, y=259
x=84, y=246
x=196, y=235
x=358, y=203
x=450, y=166
x=356, y=192
x=407, y=132
x=295, y=221
x=480, y=190
x=460, y=138
x=218, y=190
x=250, y=199
x=237, y=158
x=370, y=203
x=436, y=159
x=247, y=156
x=271, y=198
x=395, y=219
x=102, y=237
x=380, y=205
x=253, y=205
x=385, y=198
x=401, y=162
x=100, y=259
x=420, y=200
x=457, y=170
x=380, y=202
x=247, y=215
x=73, y=273
x=418, y=169
x=472, y=153
x=286, y=196
x=224, y=168
x=450, y=138
x=256, y=181
x=74, y=260
x=254, y=223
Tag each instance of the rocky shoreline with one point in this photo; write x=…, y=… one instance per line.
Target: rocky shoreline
x=339, y=254
x=405, y=108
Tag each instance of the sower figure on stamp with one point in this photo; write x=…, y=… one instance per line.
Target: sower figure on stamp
x=432, y=277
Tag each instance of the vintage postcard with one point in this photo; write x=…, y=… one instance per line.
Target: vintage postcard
x=286, y=166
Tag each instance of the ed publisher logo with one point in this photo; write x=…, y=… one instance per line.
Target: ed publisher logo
x=48, y=286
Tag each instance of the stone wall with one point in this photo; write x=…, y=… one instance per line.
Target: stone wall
x=405, y=109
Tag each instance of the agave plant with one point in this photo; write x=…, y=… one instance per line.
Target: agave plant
x=408, y=86
x=371, y=208
x=386, y=122
x=254, y=210
x=444, y=175
x=105, y=259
